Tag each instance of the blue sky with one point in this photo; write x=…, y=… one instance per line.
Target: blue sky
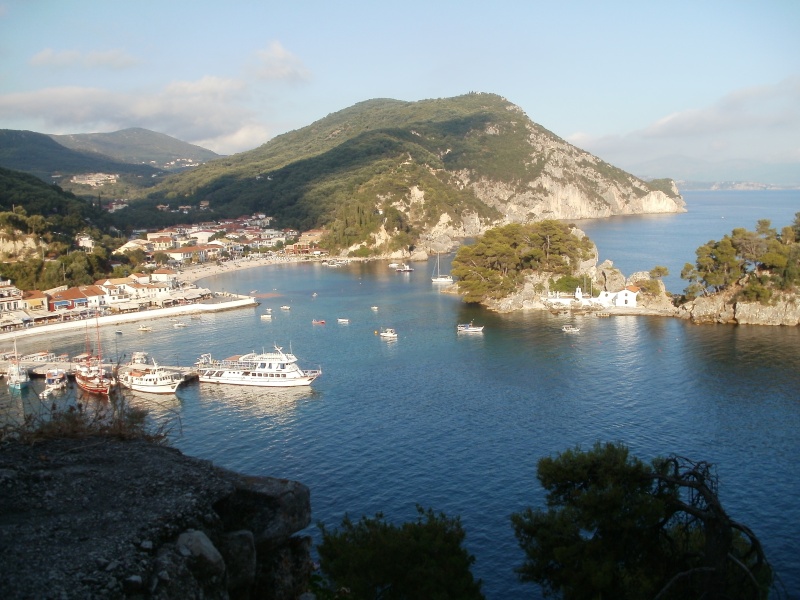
x=628, y=81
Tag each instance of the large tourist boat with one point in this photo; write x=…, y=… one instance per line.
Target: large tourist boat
x=144, y=374
x=268, y=369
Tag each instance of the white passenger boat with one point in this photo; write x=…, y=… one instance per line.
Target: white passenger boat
x=469, y=328
x=268, y=369
x=144, y=374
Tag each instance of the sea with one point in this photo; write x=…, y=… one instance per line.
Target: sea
x=457, y=422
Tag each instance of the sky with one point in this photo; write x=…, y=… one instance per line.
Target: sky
x=629, y=81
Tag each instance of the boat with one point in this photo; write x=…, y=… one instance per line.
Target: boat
x=55, y=380
x=602, y=314
x=285, y=307
x=570, y=329
x=394, y=265
x=388, y=333
x=342, y=320
x=118, y=332
x=437, y=274
x=267, y=369
x=318, y=322
x=144, y=328
x=469, y=328
x=266, y=317
x=179, y=324
x=17, y=376
x=404, y=268
x=92, y=376
x=143, y=374
x=374, y=308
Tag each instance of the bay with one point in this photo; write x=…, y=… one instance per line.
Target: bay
x=458, y=422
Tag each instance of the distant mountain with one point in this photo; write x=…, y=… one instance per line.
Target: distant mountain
x=139, y=146
x=388, y=174
x=731, y=174
x=40, y=155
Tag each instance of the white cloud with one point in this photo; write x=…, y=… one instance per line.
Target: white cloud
x=209, y=110
x=276, y=63
x=109, y=59
x=756, y=123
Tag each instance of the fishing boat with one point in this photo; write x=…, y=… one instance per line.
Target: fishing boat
x=267, y=369
x=388, y=333
x=469, y=328
x=143, y=374
x=437, y=274
x=55, y=380
x=17, y=376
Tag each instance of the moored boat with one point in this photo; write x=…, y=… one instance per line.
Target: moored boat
x=267, y=369
x=55, y=380
x=143, y=374
x=17, y=376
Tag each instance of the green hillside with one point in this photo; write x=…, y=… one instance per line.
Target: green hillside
x=364, y=171
x=138, y=146
x=40, y=155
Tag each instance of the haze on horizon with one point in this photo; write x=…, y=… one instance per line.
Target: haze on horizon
x=634, y=83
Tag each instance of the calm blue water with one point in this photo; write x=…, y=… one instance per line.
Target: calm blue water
x=457, y=423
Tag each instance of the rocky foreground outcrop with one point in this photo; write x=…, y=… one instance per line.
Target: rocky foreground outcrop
x=100, y=518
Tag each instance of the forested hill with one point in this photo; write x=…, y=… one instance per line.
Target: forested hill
x=139, y=146
x=391, y=172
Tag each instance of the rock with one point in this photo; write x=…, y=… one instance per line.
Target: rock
x=156, y=524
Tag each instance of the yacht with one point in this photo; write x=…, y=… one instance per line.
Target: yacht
x=267, y=369
x=17, y=376
x=438, y=276
x=143, y=374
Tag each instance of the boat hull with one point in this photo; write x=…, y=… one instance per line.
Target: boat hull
x=253, y=380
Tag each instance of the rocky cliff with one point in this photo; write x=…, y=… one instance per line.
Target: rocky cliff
x=783, y=309
x=99, y=518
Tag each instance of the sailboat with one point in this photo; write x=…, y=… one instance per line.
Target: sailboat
x=437, y=274
x=17, y=376
x=92, y=377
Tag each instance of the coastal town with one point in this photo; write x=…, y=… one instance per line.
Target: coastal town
x=185, y=254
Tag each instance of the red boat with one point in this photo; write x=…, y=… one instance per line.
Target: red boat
x=318, y=322
x=94, y=379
